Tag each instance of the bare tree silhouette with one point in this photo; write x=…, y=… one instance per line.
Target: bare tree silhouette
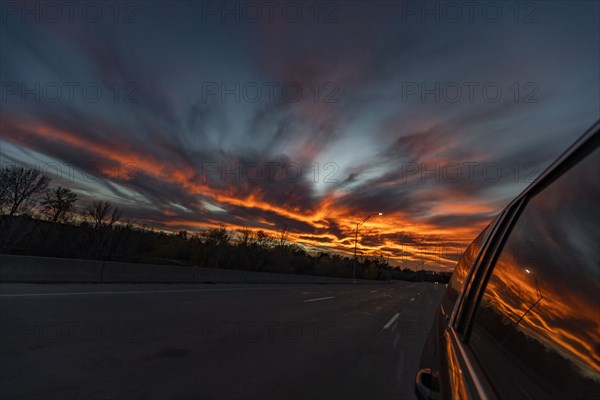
x=103, y=214
x=21, y=188
x=283, y=236
x=245, y=236
x=58, y=202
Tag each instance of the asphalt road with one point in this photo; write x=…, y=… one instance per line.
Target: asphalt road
x=213, y=341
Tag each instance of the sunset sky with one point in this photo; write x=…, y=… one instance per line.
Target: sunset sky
x=307, y=116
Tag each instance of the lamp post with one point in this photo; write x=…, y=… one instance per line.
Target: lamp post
x=537, y=286
x=540, y=297
x=356, y=243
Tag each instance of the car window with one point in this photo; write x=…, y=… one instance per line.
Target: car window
x=536, y=333
x=461, y=271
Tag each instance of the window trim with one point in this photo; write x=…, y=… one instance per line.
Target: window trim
x=482, y=268
x=568, y=161
x=458, y=304
x=485, y=269
x=475, y=373
x=461, y=320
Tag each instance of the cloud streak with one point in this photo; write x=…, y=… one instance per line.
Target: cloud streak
x=177, y=156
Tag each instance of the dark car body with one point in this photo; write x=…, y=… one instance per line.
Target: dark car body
x=520, y=318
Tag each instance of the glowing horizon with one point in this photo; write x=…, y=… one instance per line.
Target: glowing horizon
x=184, y=129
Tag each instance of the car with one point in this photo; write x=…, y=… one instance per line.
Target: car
x=520, y=316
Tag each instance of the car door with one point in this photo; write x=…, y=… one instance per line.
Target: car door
x=526, y=321
x=534, y=328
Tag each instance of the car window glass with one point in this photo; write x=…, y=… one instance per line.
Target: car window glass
x=536, y=332
x=461, y=271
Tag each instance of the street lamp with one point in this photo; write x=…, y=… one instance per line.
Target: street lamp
x=540, y=297
x=537, y=286
x=356, y=243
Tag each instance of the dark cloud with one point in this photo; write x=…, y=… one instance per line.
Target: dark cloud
x=196, y=158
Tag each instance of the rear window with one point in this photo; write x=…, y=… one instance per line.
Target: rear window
x=536, y=332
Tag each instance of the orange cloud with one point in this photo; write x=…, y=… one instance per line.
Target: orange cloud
x=327, y=208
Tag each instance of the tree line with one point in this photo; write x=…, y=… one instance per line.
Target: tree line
x=28, y=191
x=40, y=218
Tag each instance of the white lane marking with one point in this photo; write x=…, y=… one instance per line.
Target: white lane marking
x=141, y=291
x=319, y=299
x=413, y=299
x=391, y=321
x=373, y=291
